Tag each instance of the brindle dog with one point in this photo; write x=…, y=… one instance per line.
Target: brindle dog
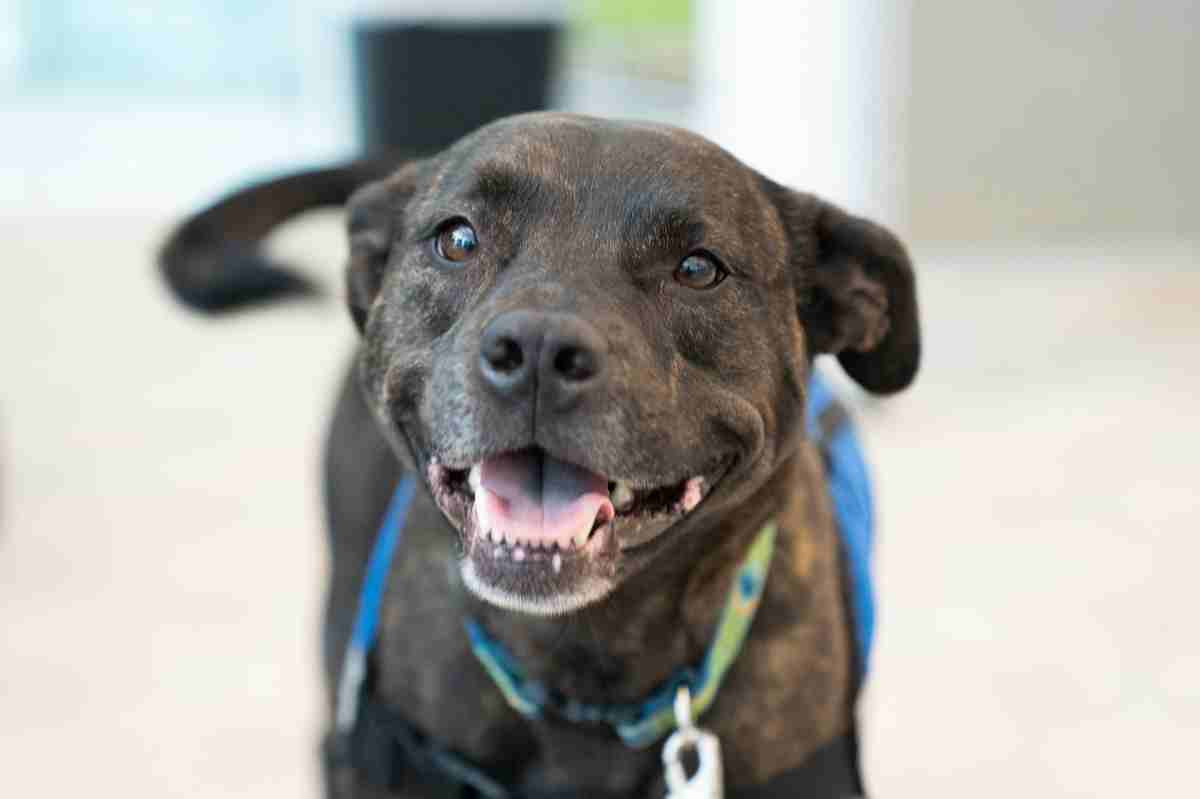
x=591, y=340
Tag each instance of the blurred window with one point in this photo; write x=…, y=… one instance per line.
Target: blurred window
x=216, y=48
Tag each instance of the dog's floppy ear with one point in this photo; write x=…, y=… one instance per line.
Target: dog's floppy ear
x=373, y=216
x=856, y=290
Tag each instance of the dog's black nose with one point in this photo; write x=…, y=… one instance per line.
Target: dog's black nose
x=559, y=355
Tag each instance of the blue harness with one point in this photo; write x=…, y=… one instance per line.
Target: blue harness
x=850, y=493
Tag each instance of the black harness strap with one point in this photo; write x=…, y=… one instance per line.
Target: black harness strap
x=831, y=772
x=387, y=751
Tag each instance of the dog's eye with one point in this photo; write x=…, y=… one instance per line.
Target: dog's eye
x=456, y=241
x=699, y=271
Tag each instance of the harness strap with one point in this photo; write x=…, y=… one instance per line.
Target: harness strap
x=849, y=483
x=385, y=750
x=829, y=772
x=370, y=600
x=389, y=752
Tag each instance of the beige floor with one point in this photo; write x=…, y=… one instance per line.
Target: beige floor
x=160, y=549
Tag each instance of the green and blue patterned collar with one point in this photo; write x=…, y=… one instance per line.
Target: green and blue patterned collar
x=641, y=724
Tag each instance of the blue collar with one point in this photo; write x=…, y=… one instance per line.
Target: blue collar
x=642, y=723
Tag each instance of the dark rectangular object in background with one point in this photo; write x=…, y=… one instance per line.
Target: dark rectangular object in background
x=422, y=85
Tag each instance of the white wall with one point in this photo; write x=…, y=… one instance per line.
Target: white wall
x=811, y=93
x=1022, y=120
x=1067, y=119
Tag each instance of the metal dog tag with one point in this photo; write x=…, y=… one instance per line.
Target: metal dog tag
x=707, y=782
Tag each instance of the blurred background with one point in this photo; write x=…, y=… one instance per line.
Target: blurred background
x=161, y=550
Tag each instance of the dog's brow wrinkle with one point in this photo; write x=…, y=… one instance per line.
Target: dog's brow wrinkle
x=662, y=227
x=499, y=185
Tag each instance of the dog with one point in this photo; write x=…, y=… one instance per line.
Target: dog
x=587, y=346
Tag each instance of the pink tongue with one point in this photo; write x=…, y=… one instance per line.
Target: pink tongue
x=532, y=498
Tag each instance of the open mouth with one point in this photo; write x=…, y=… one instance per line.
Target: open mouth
x=536, y=526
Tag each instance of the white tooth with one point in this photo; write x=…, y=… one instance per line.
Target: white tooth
x=482, y=516
x=556, y=562
x=519, y=554
x=473, y=477
x=693, y=492
x=622, y=495
x=498, y=553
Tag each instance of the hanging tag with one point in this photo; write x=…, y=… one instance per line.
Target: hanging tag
x=707, y=782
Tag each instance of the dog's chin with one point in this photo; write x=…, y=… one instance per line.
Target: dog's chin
x=546, y=575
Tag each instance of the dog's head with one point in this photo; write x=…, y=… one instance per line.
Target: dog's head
x=591, y=336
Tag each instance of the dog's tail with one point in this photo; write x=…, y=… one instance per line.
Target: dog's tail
x=212, y=262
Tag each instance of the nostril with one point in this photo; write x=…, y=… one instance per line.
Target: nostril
x=575, y=363
x=559, y=356
x=504, y=354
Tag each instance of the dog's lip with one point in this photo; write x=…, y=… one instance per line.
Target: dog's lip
x=711, y=472
x=716, y=475
x=624, y=526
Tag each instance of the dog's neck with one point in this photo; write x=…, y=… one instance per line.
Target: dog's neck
x=619, y=650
